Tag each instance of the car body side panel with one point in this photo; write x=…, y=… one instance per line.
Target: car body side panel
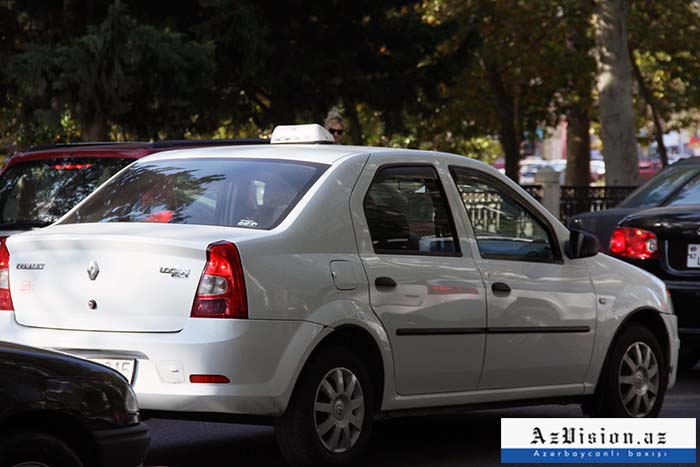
x=621, y=290
x=434, y=345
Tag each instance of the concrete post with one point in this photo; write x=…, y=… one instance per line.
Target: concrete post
x=549, y=179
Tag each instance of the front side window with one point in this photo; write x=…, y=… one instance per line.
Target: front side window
x=407, y=213
x=36, y=193
x=504, y=228
x=253, y=194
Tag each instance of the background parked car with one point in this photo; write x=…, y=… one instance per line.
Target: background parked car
x=61, y=411
x=657, y=228
x=39, y=186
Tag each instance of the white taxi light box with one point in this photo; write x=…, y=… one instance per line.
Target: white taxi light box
x=598, y=441
x=290, y=134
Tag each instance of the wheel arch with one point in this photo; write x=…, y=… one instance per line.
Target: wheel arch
x=649, y=318
x=358, y=339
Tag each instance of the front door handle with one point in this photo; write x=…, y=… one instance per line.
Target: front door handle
x=500, y=288
x=384, y=282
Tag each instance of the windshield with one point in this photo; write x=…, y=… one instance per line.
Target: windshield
x=37, y=193
x=689, y=194
x=254, y=194
x=659, y=188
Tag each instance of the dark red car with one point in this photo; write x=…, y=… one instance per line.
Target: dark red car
x=39, y=186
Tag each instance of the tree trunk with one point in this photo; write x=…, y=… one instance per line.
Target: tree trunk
x=578, y=148
x=648, y=96
x=618, y=130
x=508, y=133
x=93, y=123
x=355, y=125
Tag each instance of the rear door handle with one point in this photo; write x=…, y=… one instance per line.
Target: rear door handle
x=384, y=282
x=500, y=288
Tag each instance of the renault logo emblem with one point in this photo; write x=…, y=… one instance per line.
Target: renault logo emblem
x=93, y=270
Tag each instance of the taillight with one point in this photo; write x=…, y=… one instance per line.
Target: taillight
x=221, y=291
x=629, y=242
x=5, y=297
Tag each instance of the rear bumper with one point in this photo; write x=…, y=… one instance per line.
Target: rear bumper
x=122, y=447
x=261, y=358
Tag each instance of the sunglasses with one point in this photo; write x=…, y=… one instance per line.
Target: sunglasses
x=335, y=131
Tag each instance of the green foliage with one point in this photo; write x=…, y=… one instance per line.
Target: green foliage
x=474, y=77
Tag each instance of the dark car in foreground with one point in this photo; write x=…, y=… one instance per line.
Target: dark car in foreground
x=38, y=186
x=657, y=228
x=61, y=411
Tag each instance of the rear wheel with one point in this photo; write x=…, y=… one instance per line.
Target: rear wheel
x=35, y=449
x=633, y=381
x=329, y=418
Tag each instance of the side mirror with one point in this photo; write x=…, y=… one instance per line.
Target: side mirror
x=581, y=245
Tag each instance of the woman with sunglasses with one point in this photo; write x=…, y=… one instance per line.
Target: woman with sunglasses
x=334, y=125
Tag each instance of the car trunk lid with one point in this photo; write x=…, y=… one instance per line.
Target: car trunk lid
x=678, y=232
x=111, y=277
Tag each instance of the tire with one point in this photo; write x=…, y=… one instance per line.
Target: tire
x=689, y=356
x=36, y=449
x=307, y=436
x=631, y=386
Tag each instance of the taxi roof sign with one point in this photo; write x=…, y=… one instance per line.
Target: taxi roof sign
x=295, y=134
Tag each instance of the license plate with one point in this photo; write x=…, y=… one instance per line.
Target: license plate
x=694, y=256
x=122, y=365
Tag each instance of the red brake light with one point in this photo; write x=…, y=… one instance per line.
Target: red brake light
x=162, y=217
x=629, y=242
x=221, y=292
x=5, y=297
x=70, y=166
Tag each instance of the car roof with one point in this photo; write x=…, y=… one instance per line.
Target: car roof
x=130, y=150
x=688, y=160
x=316, y=153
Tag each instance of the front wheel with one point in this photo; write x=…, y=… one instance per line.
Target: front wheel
x=633, y=382
x=329, y=417
x=35, y=449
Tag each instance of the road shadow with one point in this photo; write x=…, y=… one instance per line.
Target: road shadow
x=466, y=438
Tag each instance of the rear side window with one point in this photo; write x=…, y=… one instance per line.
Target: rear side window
x=407, y=213
x=36, y=193
x=253, y=194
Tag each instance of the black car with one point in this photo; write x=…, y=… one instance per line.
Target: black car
x=61, y=411
x=657, y=228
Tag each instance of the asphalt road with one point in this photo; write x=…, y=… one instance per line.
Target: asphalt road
x=455, y=440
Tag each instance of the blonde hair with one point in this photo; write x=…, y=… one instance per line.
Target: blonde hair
x=333, y=117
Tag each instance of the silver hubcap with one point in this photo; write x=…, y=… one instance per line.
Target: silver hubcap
x=639, y=380
x=339, y=410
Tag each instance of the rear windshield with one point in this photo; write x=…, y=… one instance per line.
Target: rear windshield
x=253, y=194
x=36, y=193
x=659, y=188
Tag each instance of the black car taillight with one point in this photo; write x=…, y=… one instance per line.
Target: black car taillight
x=630, y=242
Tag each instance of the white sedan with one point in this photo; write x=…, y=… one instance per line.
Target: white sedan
x=317, y=286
